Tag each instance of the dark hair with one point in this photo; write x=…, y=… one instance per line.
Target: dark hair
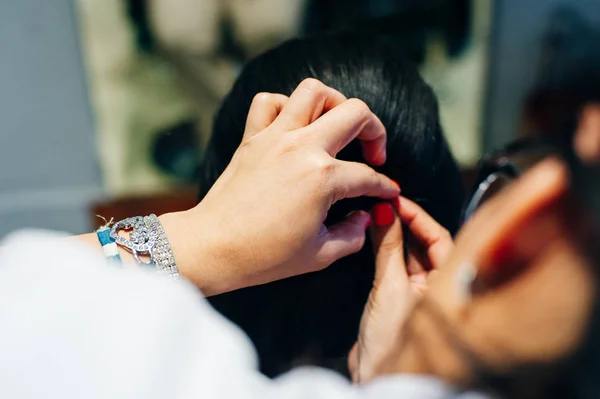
x=314, y=318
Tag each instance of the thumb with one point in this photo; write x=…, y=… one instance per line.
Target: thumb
x=345, y=238
x=388, y=243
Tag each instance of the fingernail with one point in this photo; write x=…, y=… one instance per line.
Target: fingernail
x=383, y=214
x=396, y=183
x=396, y=204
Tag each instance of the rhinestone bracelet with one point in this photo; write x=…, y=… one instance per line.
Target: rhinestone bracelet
x=146, y=237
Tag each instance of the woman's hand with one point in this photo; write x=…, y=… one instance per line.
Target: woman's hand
x=263, y=219
x=398, y=283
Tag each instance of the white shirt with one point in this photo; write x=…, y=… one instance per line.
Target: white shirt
x=73, y=327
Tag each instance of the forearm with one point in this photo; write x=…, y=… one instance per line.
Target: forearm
x=201, y=254
x=194, y=256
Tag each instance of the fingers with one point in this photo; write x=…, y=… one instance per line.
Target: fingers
x=263, y=111
x=355, y=179
x=388, y=244
x=343, y=120
x=307, y=103
x=344, y=238
x=429, y=234
x=352, y=119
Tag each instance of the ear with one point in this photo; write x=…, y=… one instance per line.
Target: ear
x=528, y=216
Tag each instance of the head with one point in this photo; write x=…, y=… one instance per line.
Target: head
x=377, y=73
x=529, y=324
x=315, y=317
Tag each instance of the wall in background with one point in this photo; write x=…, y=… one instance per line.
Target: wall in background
x=48, y=164
x=518, y=26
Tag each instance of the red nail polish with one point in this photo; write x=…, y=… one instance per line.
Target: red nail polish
x=396, y=204
x=396, y=183
x=383, y=214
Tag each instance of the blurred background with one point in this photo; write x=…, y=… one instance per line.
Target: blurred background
x=106, y=105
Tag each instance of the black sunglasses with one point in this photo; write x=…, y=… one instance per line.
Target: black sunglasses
x=497, y=170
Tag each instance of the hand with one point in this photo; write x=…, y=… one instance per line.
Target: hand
x=263, y=218
x=397, y=284
x=515, y=296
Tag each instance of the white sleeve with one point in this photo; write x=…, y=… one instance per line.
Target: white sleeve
x=73, y=327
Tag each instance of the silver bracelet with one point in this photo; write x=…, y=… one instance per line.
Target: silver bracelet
x=146, y=237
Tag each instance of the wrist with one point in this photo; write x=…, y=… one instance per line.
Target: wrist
x=196, y=250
